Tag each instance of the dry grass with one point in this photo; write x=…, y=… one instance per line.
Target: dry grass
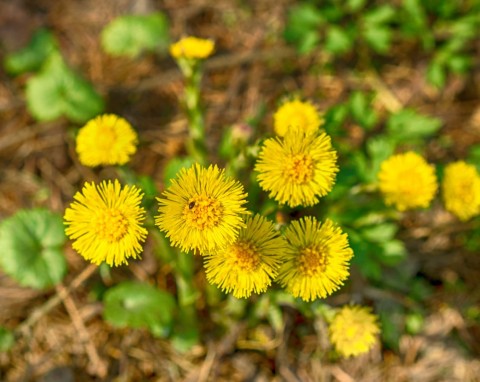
x=60, y=332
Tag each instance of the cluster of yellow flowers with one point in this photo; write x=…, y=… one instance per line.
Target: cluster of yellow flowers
x=203, y=211
x=407, y=181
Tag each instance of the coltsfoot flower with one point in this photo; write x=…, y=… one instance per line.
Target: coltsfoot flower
x=296, y=115
x=297, y=169
x=407, y=181
x=106, y=140
x=192, y=48
x=105, y=223
x=202, y=209
x=318, y=262
x=353, y=330
x=461, y=190
x=249, y=264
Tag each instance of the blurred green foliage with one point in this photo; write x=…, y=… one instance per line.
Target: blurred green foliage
x=444, y=31
x=7, y=339
x=129, y=35
x=55, y=90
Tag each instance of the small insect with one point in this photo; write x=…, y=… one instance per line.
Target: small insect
x=191, y=205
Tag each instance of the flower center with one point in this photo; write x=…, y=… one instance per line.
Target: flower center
x=245, y=256
x=298, y=120
x=112, y=225
x=313, y=260
x=299, y=168
x=107, y=139
x=203, y=212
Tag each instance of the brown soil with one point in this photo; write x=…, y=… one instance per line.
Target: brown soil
x=60, y=333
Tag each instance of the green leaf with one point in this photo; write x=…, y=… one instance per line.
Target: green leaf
x=379, y=38
x=414, y=23
x=302, y=27
x=355, y=5
x=416, y=16
x=174, y=166
x=466, y=27
x=414, y=323
x=131, y=34
x=380, y=233
x=408, y=125
x=309, y=42
x=31, y=57
x=392, y=323
x=379, y=15
x=334, y=118
x=6, y=339
x=378, y=149
x=459, y=63
x=58, y=91
x=362, y=110
x=474, y=156
x=368, y=266
x=436, y=74
x=32, y=248
x=421, y=290
x=337, y=40
x=136, y=305
x=393, y=252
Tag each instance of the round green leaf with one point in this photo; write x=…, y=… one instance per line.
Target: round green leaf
x=32, y=248
x=131, y=34
x=136, y=305
x=57, y=91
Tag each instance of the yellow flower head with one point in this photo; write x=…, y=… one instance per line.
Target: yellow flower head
x=318, y=263
x=105, y=223
x=461, y=190
x=202, y=209
x=251, y=262
x=353, y=330
x=296, y=115
x=297, y=169
x=106, y=140
x=407, y=181
x=192, y=48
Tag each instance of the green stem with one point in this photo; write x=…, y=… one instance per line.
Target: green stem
x=187, y=331
x=196, y=146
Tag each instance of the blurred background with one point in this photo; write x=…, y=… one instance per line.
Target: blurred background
x=404, y=67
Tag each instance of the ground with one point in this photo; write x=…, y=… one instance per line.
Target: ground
x=61, y=335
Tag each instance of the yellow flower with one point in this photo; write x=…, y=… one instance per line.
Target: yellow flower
x=407, y=181
x=251, y=262
x=318, y=263
x=297, y=169
x=461, y=190
x=106, y=140
x=297, y=115
x=192, y=48
x=353, y=330
x=202, y=209
x=105, y=223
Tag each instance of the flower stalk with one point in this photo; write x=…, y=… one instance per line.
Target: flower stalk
x=195, y=145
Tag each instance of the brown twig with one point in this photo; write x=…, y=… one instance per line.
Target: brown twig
x=97, y=366
x=24, y=327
